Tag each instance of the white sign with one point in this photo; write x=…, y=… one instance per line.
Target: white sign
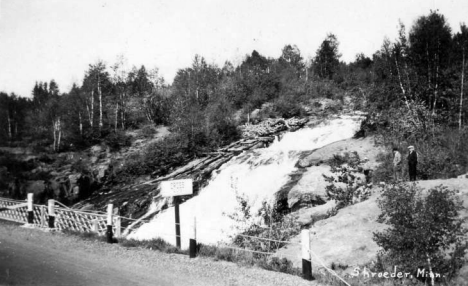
x=176, y=188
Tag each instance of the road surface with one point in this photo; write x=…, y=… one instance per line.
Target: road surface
x=35, y=257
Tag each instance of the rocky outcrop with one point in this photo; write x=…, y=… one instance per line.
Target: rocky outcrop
x=311, y=188
x=344, y=239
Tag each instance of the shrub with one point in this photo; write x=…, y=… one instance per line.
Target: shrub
x=344, y=186
x=266, y=234
x=247, y=258
x=117, y=140
x=157, y=159
x=287, y=107
x=425, y=231
x=153, y=244
x=384, y=171
x=148, y=131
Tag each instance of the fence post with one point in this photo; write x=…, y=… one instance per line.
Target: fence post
x=177, y=221
x=95, y=226
x=51, y=213
x=110, y=210
x=118, y=225
x=30, y=208
x=193, y=240
x=306, y=261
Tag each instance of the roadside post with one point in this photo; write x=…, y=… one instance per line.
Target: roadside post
x=306, y=259
x=174, y=189
x=193, y=240
x=30, y=208
x=51, y=213
x=109, y=234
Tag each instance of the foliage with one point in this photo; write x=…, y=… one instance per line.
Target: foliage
x=117, y=140
x=425, y=230
x=157, y=159
x=327, y=57
x=249, y=259
x=270, y=228
x=286, y=108
x=158, y=244
x=345, y=187
x=440, y=149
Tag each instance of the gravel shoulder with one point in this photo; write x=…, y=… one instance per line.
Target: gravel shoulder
x=34, y=257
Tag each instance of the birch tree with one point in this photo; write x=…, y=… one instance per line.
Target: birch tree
x=95, y=84
x=461, y=50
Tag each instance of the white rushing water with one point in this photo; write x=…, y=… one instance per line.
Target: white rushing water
x=254, y=175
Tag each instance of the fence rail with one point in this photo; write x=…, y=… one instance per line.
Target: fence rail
x=106, y=224
x=65, y=218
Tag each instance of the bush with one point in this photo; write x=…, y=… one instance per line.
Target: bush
x=157, y=159
x=274, y=227
x=344, y=186
x=287, y=107
x=148, y=131
x=384, y=171
x=153, y=244
x=247, y=258
x=117, y=140
x=425, y=231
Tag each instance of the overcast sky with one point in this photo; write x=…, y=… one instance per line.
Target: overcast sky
x=42, y=40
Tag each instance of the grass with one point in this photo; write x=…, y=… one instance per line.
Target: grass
x=240, y=257
x=89, y=236
x=158, y=244
x=245, y=258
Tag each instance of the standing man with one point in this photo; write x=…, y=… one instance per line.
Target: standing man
x=412, y=163
x=396, y=164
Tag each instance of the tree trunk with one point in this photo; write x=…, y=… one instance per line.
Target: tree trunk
x=403, y=91
x=122, y=109
x=91, y=118
x=436, y=87
x=9, y=125
x=100, y=105
x=116, y=121
x=54, y=129
x=430, y=269
x=59, y=127
x=80, y=124
x=461, y=91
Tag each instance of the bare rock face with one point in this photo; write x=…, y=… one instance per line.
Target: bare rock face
x=306, y=216
x=345, y=239
x=313, y=159
x=310, y=187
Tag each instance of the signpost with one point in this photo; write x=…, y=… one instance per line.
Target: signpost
x=174, y=189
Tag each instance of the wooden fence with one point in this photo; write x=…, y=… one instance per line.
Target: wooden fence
x=65, y=218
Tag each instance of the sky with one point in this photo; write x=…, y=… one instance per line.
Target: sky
x=42, y=40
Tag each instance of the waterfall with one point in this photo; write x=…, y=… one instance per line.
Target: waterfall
x=253, y=175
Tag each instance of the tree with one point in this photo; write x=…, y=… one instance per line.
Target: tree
x=74, y=109
x=430, y=42
x=291, y=56
x=326, y=60
x=423, y=229
x=461, y=48
x=96, y=82
x=121, y=91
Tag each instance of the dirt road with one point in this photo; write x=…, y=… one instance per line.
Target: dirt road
x=34, y=257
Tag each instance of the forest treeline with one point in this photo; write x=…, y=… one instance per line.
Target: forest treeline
x=413, y=89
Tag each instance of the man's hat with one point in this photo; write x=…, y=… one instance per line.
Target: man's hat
x=411, y=147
